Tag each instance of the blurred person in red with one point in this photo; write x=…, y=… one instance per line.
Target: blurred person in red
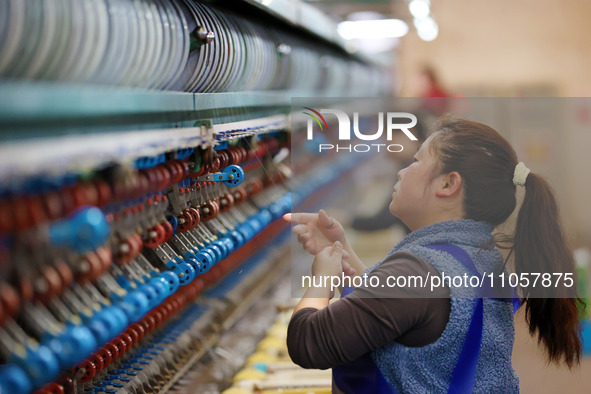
x=430, y=87
x=429, y=84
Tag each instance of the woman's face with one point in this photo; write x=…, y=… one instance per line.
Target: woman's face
x=413, y=195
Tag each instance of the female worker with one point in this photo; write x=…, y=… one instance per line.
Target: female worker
x=457, y=338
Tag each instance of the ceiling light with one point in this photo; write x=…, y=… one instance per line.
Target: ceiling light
x=419, y=8
x=426, y=28
x=367, y=29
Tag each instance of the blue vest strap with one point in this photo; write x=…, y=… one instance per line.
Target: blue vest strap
x=462, y=380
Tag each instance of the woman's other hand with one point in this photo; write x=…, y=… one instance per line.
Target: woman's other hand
x=328, y=262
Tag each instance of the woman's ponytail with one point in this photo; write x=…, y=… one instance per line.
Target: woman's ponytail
x=540, y=246
x=487, y=164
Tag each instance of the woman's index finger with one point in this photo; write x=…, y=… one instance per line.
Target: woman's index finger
x=300, y=217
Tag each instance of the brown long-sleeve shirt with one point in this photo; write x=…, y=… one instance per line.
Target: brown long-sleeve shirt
x=370, y=318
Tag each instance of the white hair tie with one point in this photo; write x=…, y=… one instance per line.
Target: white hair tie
x=520, y=174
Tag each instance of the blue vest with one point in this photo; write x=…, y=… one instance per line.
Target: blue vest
x=481, y=361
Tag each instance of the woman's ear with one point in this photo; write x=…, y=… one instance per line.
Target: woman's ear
x=450, y=185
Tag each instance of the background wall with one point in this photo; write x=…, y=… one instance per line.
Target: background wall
x=505, y=47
